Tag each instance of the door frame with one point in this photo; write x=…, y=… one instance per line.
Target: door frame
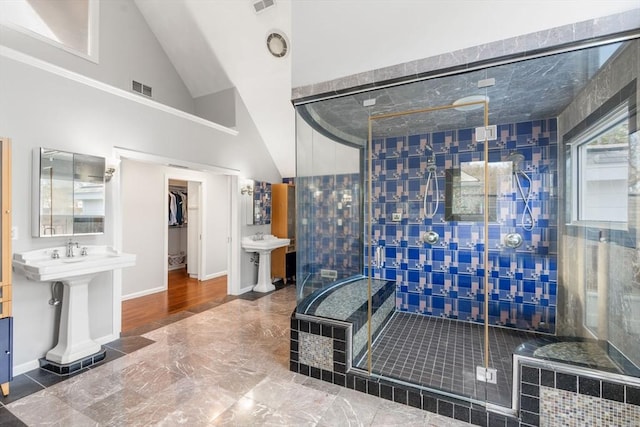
x=233, y=256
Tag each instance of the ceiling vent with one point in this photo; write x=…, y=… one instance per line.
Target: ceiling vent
x=261, y=5
x=140, y=88
x=277, y=44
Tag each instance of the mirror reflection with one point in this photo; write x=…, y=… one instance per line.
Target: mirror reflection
x=261, y=203
x=464, y=193
x=70, y=195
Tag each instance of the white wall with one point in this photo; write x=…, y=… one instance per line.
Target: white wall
x=218, y=212
x=218, y=107
x=128, y=51
x=337, y=38
x=145, y=223
x=38, y=108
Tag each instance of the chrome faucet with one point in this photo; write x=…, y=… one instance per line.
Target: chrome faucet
x=70, y=245
x=259, y=236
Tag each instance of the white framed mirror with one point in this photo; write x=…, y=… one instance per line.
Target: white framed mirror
x=68, y=193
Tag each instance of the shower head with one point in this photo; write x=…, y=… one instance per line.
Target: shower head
x=516, y=160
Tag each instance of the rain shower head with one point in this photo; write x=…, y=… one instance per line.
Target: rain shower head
x=516, y=159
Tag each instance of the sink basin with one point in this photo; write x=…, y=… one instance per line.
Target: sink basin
x=268, y=243
x=264, y=244
x=75, y=273
x=39, y=266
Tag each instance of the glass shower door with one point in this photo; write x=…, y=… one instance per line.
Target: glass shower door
x=427, y=210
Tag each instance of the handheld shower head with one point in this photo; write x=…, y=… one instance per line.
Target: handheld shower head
x=516, y=160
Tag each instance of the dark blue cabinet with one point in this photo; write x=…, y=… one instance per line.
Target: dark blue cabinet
x=6, y=349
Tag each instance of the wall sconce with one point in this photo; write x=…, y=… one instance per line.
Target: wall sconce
x=247, y=189
x=108, y=173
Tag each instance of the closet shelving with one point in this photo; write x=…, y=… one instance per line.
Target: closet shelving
x=177, y=222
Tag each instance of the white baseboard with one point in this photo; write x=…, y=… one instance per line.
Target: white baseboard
x=215, y=275
x=143, y=293
x=25, y=367
x=35, y=364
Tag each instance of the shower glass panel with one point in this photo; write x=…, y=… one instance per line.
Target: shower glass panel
x=467, y=236
x=329, y=224
x=413, y=246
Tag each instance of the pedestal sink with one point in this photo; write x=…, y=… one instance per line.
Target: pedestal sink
x=74, y=340
x=263, y=245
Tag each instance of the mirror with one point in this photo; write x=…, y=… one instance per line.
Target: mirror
x=464, y=191
x=68, y=193
x=246, y=191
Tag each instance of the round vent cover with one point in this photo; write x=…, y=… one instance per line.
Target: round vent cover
x=277, y=44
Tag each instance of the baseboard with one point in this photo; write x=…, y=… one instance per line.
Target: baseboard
x=34, y=364
x=25, y=367
x=215, y=275
x=143, y=293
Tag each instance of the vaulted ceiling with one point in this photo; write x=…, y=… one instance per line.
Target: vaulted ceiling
x=216, y=45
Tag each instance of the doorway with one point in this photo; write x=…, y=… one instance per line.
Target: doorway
x=144, y=187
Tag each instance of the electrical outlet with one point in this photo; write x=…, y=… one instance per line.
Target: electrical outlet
x=396, y=216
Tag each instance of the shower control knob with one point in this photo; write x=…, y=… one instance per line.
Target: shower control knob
x=513, y=240
x=431, y=237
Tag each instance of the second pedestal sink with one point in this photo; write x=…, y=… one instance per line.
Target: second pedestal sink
x=263, y=245
x=75, y=273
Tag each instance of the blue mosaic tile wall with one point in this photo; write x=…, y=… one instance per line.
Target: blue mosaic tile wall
x=447, y=279
x=328, y=226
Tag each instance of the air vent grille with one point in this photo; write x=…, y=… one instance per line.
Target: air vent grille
x=261, y=5
x=140, y=88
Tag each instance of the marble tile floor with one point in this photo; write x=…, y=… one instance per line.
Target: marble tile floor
x=227, y=365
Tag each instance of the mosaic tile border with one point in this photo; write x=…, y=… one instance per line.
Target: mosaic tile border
x=535, y=375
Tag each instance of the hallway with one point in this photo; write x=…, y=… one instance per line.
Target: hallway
x=227, y=365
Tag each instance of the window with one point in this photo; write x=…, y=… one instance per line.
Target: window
x=602, y=169
x=68, y=24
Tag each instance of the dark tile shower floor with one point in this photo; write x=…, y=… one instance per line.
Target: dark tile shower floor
x=443, y=354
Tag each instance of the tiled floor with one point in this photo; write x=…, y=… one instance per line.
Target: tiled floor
x=443, y=354
x=227, y=365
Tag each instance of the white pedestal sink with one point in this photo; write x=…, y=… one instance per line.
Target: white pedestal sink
x=263, y=245
x=74, y=340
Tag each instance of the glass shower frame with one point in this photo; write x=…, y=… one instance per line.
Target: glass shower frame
x=544, y=181
x=372, y=256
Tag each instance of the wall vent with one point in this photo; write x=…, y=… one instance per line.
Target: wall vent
x=261, y=5
x=140, y=88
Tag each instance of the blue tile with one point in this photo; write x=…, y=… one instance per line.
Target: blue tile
x=437, y=302
x=524, y=128
x=505, y=284
x=529, y=286
x=414, y=276
x=437, y=278
x=464, y=256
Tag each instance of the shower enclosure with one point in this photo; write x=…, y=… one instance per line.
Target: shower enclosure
x=453, y=222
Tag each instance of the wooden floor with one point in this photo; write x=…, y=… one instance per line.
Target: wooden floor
x=184, y=293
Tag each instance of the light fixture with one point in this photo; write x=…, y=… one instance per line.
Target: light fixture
x=277, y=44
x=476, y=102
x=108, y=173
x=247, y=189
